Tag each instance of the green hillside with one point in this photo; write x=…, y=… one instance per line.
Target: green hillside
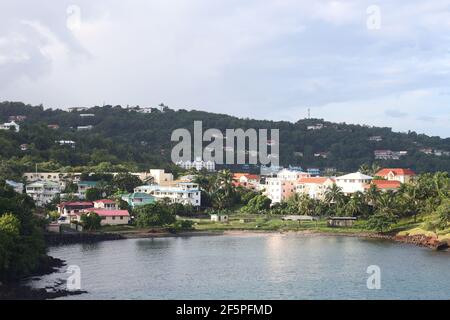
x=132, y=140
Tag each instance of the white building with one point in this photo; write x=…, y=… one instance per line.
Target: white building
x=43, y=192
x=353, y=182
x=10, y=126
x=314, y=187
x=279, y=190
x=197, y=164
x=183, y=192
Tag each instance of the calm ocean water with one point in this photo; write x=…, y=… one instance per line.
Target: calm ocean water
x=267, y=266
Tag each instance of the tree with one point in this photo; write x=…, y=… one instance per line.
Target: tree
x=443, y=213
x=381, y=221
x=126, y=182
x=223, y=194
x=356, y=205
x=21, y=241
x=257, y=204
x=154, y=214
x=91, y=221
x=93, y=194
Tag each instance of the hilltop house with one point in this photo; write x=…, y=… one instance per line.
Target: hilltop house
x=43, y=192
x=353, y=182
x=10, y=126
x=396, y=174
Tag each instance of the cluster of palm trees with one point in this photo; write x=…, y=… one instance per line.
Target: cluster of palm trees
x=218, y=190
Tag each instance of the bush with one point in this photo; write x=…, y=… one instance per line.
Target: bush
x=91, y=221
x=154, y=214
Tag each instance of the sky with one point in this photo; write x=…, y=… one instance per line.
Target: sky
x=383, y=63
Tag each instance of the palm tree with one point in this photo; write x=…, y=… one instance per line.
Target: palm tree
x=335, y=197
x=372, y=195
x=334, y=194
x=355, y=205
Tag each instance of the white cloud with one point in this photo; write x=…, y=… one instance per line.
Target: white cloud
x=270, y=59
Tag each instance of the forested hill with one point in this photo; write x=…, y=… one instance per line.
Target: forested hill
x=126, y=137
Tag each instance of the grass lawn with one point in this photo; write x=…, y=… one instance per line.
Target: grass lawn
x=272, y=223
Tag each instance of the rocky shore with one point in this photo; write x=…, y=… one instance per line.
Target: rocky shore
x=423, y=241
x=18, y=291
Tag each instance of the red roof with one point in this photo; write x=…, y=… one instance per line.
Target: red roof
x=385, y=184
x=247, y=175
x=395, y=171
x=108, y=213
x=316, y=180
x=105, y=201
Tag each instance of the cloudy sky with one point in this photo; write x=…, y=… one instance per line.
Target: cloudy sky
x=377, y=63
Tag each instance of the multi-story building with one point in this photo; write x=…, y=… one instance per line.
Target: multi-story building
x=182, y=192
x=314, y=187
x=43, y=192
x=283, y=186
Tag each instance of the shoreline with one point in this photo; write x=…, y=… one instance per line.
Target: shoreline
x=417, y=240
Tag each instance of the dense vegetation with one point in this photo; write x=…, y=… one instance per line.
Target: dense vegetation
x=21, y=241
x=122, y=139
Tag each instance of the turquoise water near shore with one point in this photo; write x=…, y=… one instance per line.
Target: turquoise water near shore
x=253, y=266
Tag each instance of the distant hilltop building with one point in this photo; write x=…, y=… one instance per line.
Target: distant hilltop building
x=197, y=164
x=316, y=126
x=83, y=128
x=376, y=138
x=66, y=143
x=389, y=154
x=17, y=118
x=77, y=109
x=10, y=126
